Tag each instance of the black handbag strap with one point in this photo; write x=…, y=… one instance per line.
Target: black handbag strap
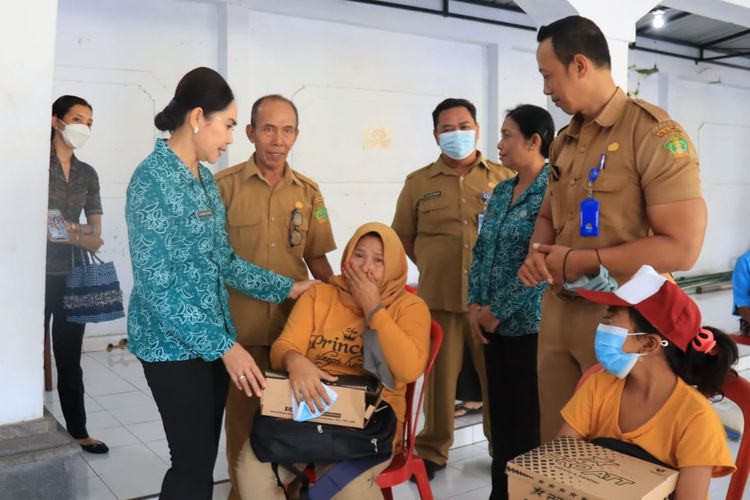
x=87, y=258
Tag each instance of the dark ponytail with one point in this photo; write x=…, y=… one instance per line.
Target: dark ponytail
x=705, y=371
x=200, y=88
x=63, y=104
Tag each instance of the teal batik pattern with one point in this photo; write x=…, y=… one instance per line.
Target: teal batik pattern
x=500, y=250
x=179, y=307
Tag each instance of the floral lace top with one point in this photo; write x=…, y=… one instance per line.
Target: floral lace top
x=499, y=253
x=181, y=262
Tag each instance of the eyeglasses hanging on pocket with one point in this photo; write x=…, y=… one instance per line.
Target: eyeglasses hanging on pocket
x=295, y=235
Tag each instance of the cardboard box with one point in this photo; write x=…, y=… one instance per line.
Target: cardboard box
x=569, y=468
x=357, y=399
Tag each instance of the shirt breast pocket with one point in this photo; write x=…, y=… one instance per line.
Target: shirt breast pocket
x=618, y=194
x=298, y=224
x=244, y=232
x=432, y=214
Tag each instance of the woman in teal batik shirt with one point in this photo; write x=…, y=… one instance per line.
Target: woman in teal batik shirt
x=504, y=315
x=179, y=324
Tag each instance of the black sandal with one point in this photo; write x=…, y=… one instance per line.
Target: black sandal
x=97, y=448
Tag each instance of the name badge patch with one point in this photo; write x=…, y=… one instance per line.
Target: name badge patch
x=204, y=214
x=434, y=194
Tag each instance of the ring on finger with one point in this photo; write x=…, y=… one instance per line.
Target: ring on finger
x=242, y=377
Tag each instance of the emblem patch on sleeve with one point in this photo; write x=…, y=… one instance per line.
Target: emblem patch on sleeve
x=677, y=146
x=320, y=212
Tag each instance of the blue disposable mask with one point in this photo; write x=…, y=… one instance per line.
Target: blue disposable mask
x=458, y=144
x=608, y=348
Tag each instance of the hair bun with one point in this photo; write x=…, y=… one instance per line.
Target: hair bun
x=164, y=120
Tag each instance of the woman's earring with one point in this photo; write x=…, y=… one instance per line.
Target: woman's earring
x=195, y=130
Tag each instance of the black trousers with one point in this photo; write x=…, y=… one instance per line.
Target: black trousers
x=514, y=402
x=190, y=396
x=67, y=341
x=468, y=387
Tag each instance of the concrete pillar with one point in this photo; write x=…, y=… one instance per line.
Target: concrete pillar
x=491, y=131
x=27, y=33
x=234, y=67
x=37, y=454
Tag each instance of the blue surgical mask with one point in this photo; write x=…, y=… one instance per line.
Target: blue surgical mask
x=458, y=144
x=608, y=348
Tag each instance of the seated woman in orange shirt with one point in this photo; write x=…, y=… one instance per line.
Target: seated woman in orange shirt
x=654, y=350
x=323, y=339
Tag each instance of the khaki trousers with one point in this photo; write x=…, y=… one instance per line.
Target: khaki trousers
x=566, y=350
x=256, y=480
x=436, y=438
x=238, y=419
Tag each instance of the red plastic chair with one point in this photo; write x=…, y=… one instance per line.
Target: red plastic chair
x=406, y=464
x=736, y=389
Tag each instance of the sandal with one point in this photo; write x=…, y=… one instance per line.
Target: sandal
x=461, y=410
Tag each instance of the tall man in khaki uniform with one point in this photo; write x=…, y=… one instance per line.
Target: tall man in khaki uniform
x=651, y=209
x=276, y=218
x=437, y=220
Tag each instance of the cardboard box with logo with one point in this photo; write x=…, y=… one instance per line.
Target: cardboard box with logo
x=573, y=469
x=357, y=399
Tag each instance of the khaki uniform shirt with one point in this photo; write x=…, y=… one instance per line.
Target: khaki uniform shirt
x=438, y=210
x=260, y=227
x=650, y=161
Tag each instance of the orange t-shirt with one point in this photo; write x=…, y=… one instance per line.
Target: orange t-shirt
x=329, y=334
x=684, y=432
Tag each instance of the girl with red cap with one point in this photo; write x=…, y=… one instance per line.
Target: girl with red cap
x=660, y=367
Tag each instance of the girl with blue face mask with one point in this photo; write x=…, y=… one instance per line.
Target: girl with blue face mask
x=660, y=368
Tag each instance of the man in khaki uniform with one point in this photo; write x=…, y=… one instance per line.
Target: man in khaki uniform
x=651, y=209
x=276, y=218
x=436, y=218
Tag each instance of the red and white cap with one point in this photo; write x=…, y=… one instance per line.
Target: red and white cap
x=674, y=315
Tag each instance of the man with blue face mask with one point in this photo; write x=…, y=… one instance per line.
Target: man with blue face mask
x=438, y=217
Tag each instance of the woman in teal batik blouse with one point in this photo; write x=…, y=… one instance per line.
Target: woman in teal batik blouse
x=504, y=315
x=179, y=324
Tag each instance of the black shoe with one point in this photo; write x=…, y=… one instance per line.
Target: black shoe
x=431, y=468
x=97, y=448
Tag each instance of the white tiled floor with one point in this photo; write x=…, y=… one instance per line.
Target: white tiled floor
x=122, y=413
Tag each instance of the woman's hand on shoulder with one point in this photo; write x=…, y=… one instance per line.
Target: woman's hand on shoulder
x=301, y=287
x=305, y=379
x=243, y=370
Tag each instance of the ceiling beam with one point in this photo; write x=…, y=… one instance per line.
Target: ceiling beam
x=723, y=39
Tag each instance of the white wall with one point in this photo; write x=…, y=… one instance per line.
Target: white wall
x=713, y=104
x=27, y=35
x=370, y=68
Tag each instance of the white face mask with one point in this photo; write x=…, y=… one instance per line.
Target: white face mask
x=75, y=134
